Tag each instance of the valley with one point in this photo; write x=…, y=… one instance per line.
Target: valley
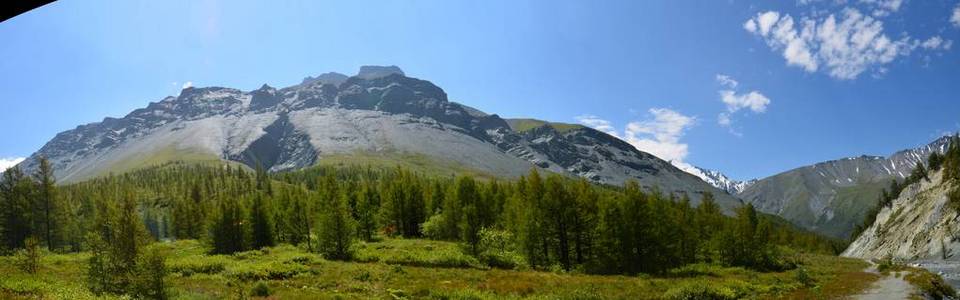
x=376, y=185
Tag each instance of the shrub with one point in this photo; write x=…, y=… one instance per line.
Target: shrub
x=700, y=291
x=150, y=282
x=433, y=227
x=804, y=278
x=28, y=259
x=261, y=289
x=202, y=265
x=496, y=249
x=268, y=271
x=931, y=284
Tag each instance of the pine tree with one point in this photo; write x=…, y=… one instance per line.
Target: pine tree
x=299, y=222
x=365, y=212
x=15, y=209
x=261, y=223
x=228, y=232
x=336, y=230
x=46, y=202
x=472, y=208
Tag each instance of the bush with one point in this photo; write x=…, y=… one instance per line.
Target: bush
x=150, y=282
x=496, y=249
x=261, y=289
x=28, y=259
x=268, y=271
x=804, y=278
x=700, y=291
x=202, y=265
x=433, y=227
x=931, y=284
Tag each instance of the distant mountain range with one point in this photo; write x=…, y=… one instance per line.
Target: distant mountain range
x=719, y=180
x=832, y=197
x=378, y=116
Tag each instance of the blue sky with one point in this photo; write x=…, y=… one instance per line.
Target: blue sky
x=748, y=88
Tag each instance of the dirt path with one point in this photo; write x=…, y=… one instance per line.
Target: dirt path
x=890, y=287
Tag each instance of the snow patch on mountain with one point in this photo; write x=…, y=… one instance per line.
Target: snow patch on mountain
x=717, y=179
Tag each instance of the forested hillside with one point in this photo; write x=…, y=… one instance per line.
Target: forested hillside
x=541, y=222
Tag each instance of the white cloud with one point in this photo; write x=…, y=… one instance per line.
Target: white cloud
x=187, y=84
x=659, y=135
x=597, y=123
x=882, y=8
x=6, y=163
x=844, y=45
x=955, y=18
x=936, y=42
x=727, y=81
x=752, y=100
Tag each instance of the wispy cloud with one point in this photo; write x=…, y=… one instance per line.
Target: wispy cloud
x=955, y=18
x=844, y=45
x=597, y=123
x=6, y=163
x=753, y=101
x=660, y=134
x=187, y=84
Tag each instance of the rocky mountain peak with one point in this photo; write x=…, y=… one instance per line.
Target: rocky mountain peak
x=333, y=78
x=379, y=112
x=373, y=72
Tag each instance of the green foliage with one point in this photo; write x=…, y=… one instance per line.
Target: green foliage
x=336, y=230
x=746, y=242
x=497, y=249
x=433, y=227
x=117, y=264
x=229, y=232
x=803, y=277
x=261, y=289
x=417, y=253
x=932, y=285
x=28, y=258
x=203, y=265
x=700, y=291
x=261, y=223
x=150, y=281
x=539, y=221
x=16, y=209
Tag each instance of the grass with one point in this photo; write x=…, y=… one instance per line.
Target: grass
x=411, y=161
x=930, y=285
x=423, y=269
x=168, y=154
x=522, y=125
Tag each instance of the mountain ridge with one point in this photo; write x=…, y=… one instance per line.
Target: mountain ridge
x=831, y=197
x=383, y=111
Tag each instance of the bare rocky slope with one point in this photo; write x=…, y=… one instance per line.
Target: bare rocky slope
x=378, y=114
x=917, y=226
x=832, y=197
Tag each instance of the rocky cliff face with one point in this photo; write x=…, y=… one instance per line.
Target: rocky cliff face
x=832, y=197
x=379, y=111
x=917, y=226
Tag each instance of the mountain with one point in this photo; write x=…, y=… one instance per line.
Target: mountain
x=718, y=180
x=378, y=116
x=832, y=197
x=917, y=225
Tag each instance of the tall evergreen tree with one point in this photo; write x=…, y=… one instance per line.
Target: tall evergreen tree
x=228, y=231
x=336, y=230
x=261, y=224
x=46, y=202
x=15, y=208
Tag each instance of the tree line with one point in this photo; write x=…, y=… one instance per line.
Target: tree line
x=547, y=221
